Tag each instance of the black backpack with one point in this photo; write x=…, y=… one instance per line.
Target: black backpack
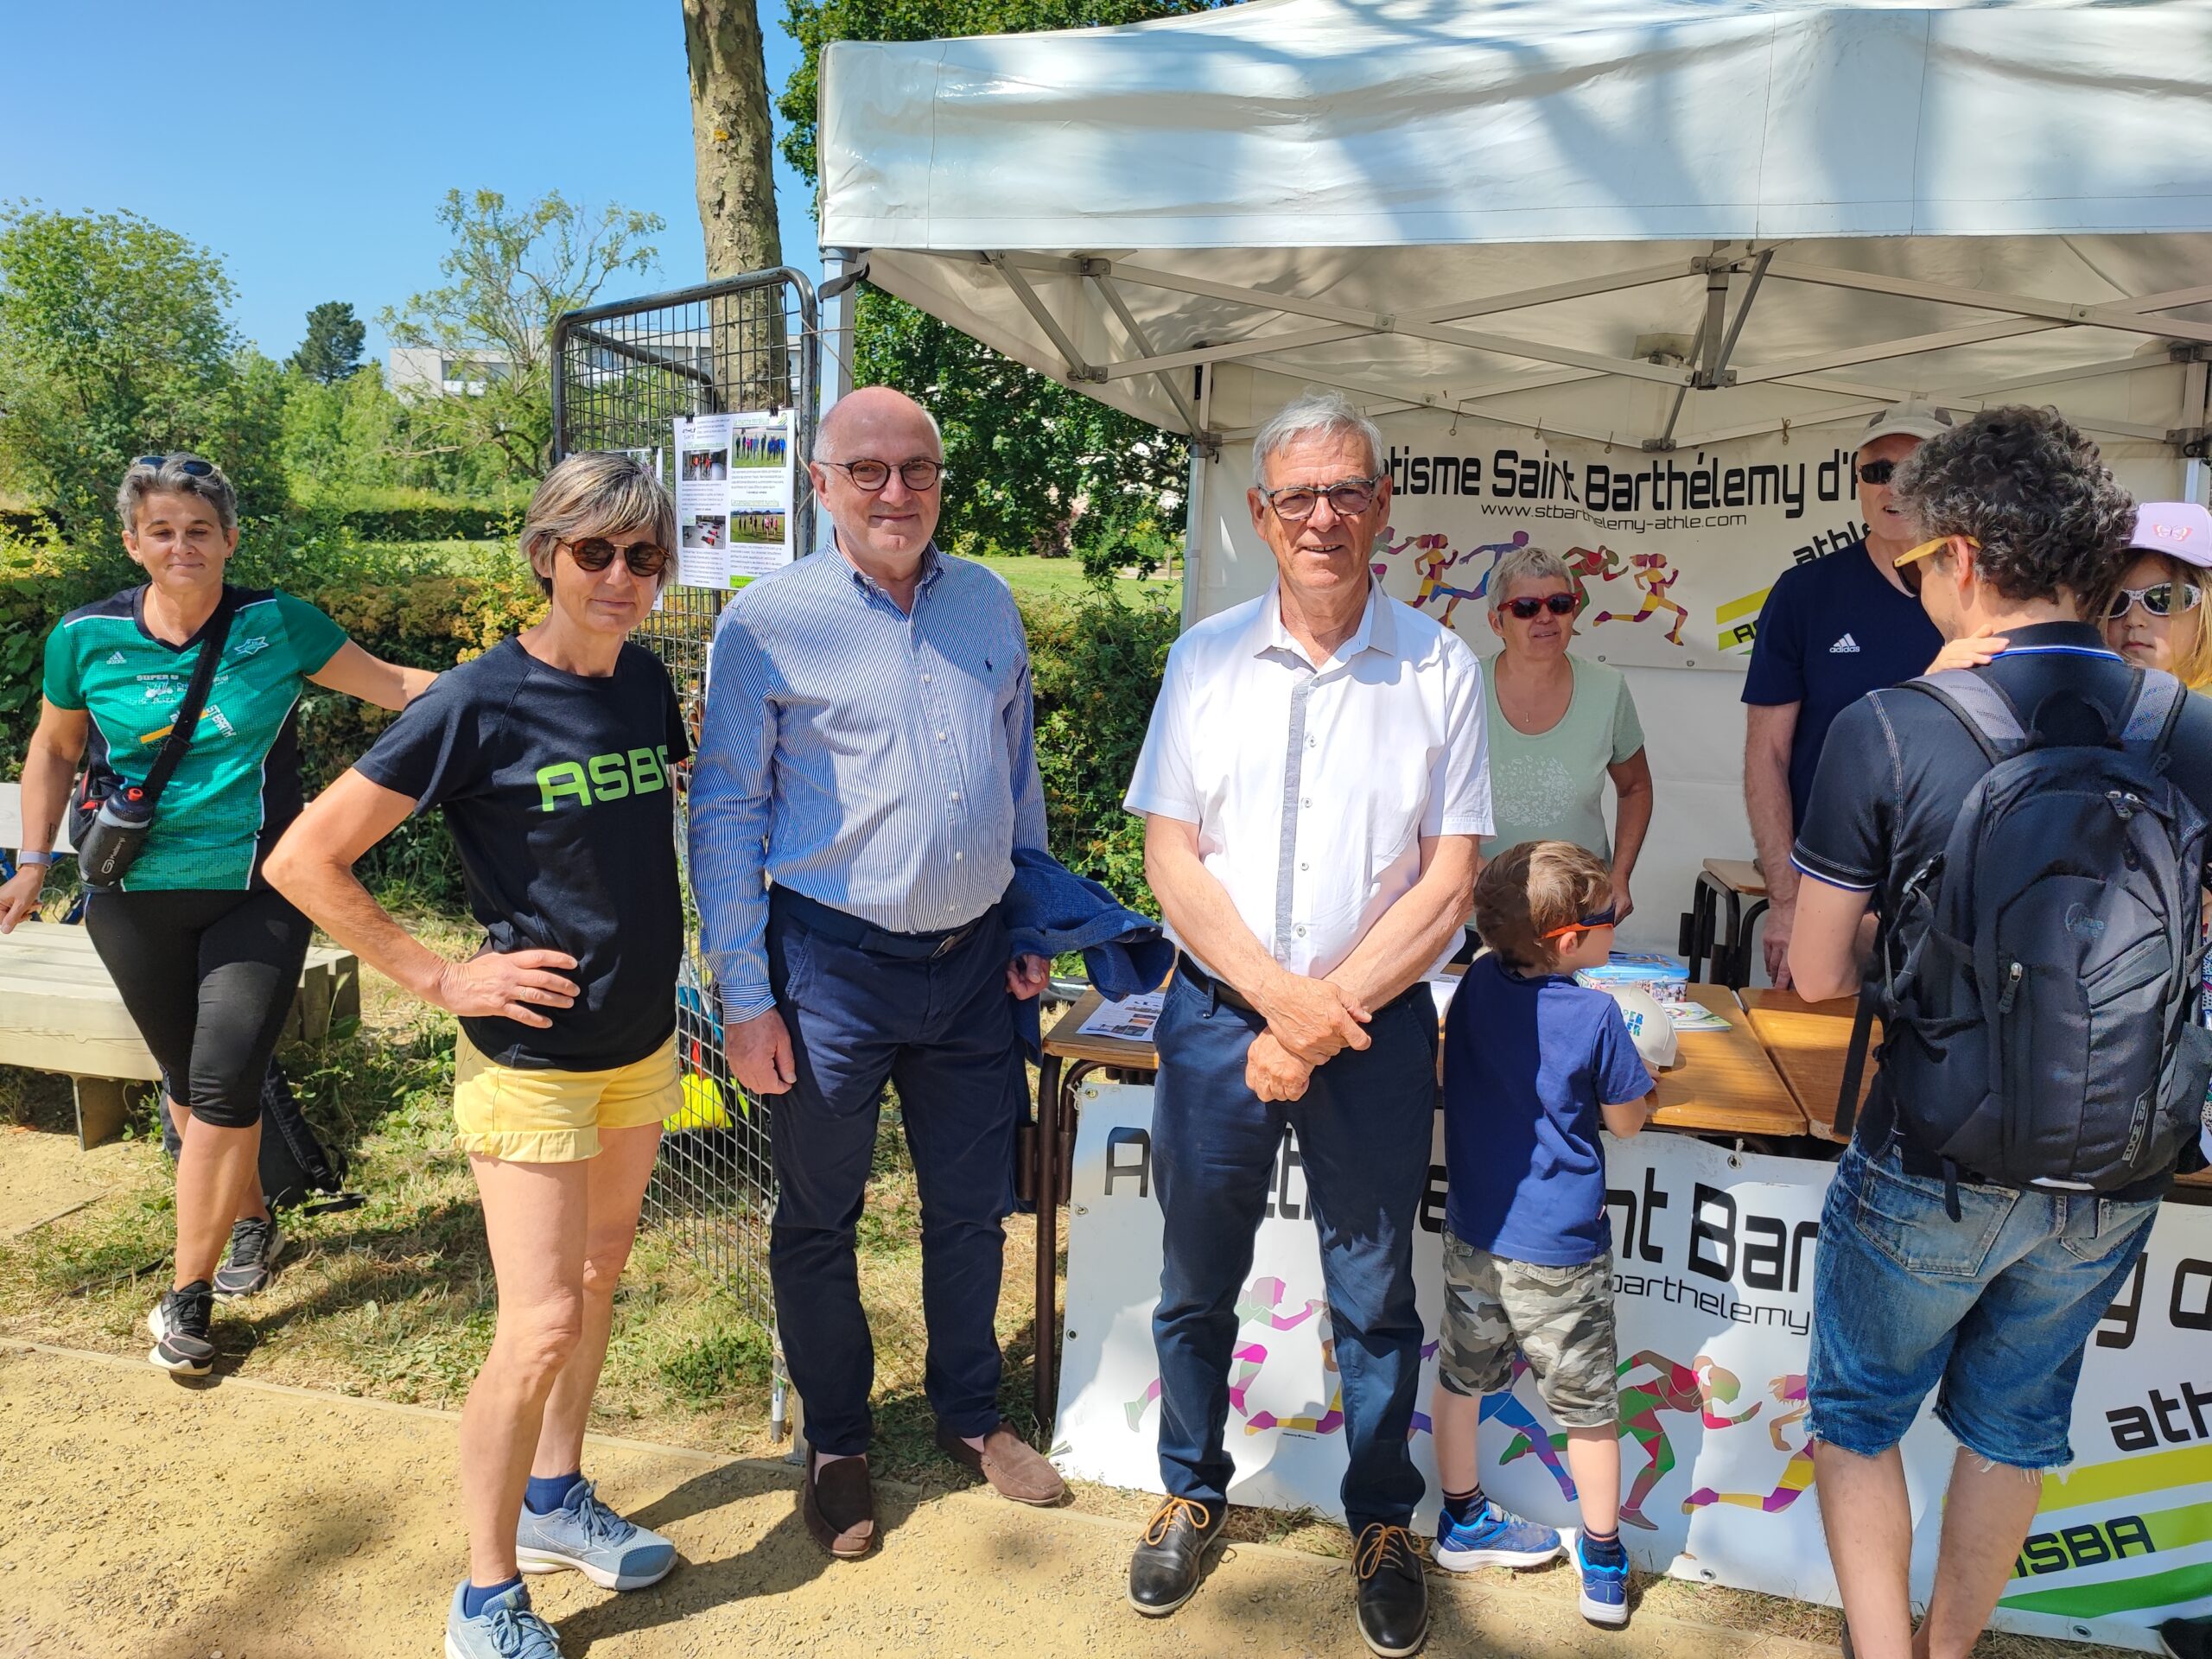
x=296, y=1169
x=2039, y=979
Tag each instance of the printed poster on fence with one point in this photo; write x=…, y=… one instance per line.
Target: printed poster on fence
x=1672, y=552
x=734, y=485
x=1714, y=1252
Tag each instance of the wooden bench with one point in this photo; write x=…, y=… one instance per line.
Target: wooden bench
x=60, y=1011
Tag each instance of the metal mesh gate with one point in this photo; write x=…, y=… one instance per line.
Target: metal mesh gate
x=622, y=374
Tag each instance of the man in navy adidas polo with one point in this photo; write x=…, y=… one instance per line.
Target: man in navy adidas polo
x=1830, y=632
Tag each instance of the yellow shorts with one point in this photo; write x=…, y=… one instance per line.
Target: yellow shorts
x=527, y=1115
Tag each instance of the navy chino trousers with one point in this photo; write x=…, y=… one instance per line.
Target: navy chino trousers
x=942, y=1029
x=1365, y=1127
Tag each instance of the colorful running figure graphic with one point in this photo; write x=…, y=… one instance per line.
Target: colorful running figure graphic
x=1583, y=562
x=1504, y=1406
x=1497, y=551
x=1796, y=1474
x=1648, y=577
x=1674, y=1386
x=1390, y=551
x=1258, y=1305
x=1328, y=1422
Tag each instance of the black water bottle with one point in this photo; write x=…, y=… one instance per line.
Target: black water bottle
x=113, y=840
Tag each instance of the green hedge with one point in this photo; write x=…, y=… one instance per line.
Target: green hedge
x=1096, y=661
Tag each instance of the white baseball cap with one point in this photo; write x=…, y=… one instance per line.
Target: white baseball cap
x=2181, y=529
x=1649, y=1027
x=1912, y=418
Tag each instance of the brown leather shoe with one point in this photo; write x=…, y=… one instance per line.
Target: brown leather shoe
x=839, y=1506
x=1015, y=1469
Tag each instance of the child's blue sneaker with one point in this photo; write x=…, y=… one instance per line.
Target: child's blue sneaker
x=1490, y=1536
x=1604, y=1589
x=506, y=1629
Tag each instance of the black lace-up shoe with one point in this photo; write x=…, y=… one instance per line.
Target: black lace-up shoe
x=1393, y=1595
x=1164, y=1573
x=179, y=1322
x=255, y=1245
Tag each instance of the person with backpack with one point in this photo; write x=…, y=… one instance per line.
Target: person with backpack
x=2031, y=835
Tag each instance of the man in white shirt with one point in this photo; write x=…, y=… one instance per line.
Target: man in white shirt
x=1314, y=790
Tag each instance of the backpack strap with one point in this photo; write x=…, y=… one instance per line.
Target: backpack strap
x=1981, y=707
x=2153, y=711
x=1854, y=1060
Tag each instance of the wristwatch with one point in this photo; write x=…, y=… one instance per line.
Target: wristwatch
x=25, y=858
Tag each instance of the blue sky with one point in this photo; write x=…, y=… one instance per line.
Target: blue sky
x=309, y=145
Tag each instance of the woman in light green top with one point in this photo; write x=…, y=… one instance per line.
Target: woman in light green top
x=1560, y=726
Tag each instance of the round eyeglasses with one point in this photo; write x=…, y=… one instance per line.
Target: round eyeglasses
x=917, y=475
x=644, y=558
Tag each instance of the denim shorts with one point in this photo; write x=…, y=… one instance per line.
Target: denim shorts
x=1993, y=1310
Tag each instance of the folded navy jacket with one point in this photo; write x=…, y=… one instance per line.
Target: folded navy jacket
x=1050, y=910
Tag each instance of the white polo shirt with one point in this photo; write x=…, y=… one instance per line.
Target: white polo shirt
x=1312, y=786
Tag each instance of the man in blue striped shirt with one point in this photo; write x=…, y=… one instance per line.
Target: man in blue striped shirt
x=868, y=749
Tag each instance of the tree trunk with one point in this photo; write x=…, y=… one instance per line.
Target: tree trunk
x=731, y=142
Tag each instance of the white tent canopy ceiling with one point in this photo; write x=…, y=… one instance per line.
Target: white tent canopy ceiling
x=1653, y=227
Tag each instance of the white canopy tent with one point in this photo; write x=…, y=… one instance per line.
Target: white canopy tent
x=1657, y=227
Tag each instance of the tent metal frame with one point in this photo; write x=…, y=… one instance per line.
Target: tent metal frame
x=1736, y=271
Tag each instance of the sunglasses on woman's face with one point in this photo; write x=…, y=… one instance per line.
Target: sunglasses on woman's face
x=2159, y=599
x=644, y=558
x=1528, y=605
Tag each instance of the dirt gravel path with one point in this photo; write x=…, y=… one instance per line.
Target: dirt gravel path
x=254, y=1522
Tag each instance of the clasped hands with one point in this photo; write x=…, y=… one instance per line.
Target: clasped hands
x=1309, y=1021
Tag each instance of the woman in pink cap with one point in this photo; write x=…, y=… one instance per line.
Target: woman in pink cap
x=2157, y=619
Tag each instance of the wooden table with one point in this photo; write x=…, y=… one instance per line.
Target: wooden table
x=60, y=1011
x=1725, y=1084
x=1808, y=1042
x=1729, y=881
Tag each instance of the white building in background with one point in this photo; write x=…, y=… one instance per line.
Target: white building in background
x=428, y=370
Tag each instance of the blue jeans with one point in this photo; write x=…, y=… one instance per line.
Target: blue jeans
x=1993, y=1309
x=1364, y=1131
x=942, y=1029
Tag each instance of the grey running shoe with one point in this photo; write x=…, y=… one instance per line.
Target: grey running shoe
x=583, y=1532
x=179, y=1324
x=255, y=1245
x=506, y=1629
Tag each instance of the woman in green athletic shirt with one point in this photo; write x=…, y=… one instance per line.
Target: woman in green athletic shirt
x=204, y=954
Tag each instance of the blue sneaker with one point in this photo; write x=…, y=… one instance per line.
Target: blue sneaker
x=1492, y=1537
x=506, y=1629
x=1604, y=1589
x=583, y=1532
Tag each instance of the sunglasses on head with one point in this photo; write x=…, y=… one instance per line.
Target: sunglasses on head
x=1908, y=564
x=189, y=468
x=644, y=558
x=1877, y=472
x=2157, y=599
x=1603, y=919
x=1528, y=605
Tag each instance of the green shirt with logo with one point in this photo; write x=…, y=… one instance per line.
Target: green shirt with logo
x=238, y=787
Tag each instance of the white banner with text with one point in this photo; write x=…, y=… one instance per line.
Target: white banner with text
x=1713, y=1252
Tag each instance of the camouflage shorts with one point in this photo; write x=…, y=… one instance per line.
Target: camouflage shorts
x=1560, y=1319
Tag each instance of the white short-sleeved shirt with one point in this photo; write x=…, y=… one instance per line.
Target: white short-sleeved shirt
x=1312, y=787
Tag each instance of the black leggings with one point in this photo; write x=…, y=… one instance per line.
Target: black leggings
x=208, y=977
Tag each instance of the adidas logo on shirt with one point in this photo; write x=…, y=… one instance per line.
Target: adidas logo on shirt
x=1842, y=645
x=116, y=658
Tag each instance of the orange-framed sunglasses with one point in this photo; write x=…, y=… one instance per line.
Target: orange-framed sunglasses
x=1908, y=562
x=1605, y=918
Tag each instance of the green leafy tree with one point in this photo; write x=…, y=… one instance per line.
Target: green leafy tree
x=113, y=344
x=1037, y=466
x=509, y=274
x=332, y=350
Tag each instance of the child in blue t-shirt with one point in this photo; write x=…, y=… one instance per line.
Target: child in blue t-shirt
x=1534, y=1064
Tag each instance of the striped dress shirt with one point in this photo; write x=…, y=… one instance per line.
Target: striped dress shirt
x=876, y=761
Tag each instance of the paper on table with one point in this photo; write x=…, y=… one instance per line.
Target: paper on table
x=1695, y=1016
x=1130, y=1020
